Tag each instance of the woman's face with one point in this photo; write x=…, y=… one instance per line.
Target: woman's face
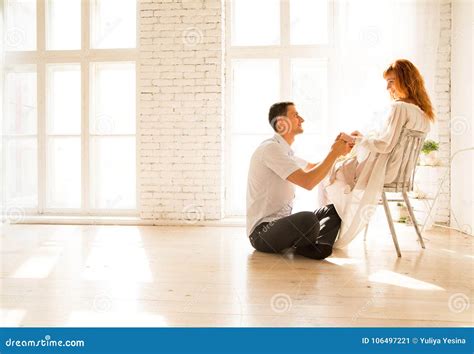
x=392, y=85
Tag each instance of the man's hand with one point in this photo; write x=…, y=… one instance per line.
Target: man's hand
x=309, y=178
x=346, y=137
x=340, y=147
x=349, y=147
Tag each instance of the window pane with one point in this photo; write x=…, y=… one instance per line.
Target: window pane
x=112, y=175
x=113, y=99
x=309, y=21
x=63, y=24
x=311, y=147
x=113, y=23
x=21, y=172
x=64, y=99
x=64, y=172
x=309, y=90
x=255, y=22
x=255, y=87
x=20, y=96
x=242, y=148
x=20, y=25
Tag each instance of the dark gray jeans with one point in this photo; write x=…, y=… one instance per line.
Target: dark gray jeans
x=312, y=234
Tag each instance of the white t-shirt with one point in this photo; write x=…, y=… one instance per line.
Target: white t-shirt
x=269, y=195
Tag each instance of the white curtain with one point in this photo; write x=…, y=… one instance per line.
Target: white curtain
x=369, y=35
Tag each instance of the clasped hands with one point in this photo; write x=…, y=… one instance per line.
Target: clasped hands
x=345, y=142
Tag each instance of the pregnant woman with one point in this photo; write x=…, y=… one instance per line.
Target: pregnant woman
x=355, y=184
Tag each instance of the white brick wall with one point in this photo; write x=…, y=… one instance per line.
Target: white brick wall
x=443, y=105
x=181, y=94
x=180, y=124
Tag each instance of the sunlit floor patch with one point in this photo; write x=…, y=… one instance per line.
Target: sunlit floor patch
x=132, y=319
x=343, y=261
x=11, y=317
x=38, y=266
x=392, y=278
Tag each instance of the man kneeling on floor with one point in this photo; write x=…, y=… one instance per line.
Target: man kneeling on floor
x=273, y=172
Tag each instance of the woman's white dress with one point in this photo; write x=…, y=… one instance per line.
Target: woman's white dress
x=355, y=185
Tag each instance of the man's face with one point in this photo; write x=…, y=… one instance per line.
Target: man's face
x=295, y=120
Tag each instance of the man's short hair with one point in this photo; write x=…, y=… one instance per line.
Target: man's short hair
x=277, y=110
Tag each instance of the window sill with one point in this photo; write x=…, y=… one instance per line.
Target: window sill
x=121, y=220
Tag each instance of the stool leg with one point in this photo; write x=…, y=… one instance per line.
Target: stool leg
x=365, y=232
x=390, y=224
x=412, y=216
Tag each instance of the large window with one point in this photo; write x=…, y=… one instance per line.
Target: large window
x=69, y=107
x=276, y=50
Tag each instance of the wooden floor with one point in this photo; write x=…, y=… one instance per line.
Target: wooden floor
x=54, y=275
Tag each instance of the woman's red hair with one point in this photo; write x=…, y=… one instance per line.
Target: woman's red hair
x=411, y=84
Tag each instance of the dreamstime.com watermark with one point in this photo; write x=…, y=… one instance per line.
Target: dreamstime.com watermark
x=192, y=36
x=458, y=303
x=46, y=342
x=281, y=303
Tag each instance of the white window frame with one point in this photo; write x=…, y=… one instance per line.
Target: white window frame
x=85, y=57
x=284, y=52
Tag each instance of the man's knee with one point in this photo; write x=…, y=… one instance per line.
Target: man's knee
x=333, y=212
x=328, y=211
x=309, y=222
